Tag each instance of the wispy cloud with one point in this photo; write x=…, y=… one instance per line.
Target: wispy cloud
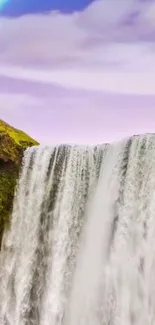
x=62, y=61
x=125, y=82
x=57, y=36
x=91, y=49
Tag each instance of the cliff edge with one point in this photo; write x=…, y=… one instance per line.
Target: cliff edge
x=13, y=142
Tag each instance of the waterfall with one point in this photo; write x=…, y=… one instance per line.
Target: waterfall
x=81, y=247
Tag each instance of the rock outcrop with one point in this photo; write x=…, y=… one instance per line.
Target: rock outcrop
x=13, y=142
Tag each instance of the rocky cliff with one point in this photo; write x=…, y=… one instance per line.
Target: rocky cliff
x=13, y=142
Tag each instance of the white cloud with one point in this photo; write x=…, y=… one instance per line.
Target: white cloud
x=49, y=38
x=98, y=49
x=122, y=82
x=149, y=15
x=120, y=20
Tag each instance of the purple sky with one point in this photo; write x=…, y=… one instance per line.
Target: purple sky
x=84, y=77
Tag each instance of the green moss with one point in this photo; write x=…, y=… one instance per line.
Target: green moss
x=8, y=179
x=7, y=186
x=20, y=138
x=13, y=142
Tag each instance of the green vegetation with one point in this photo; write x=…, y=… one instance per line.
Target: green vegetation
x=13, y=142
x=7, y=186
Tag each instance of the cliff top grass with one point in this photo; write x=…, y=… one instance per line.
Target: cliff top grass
x=20, y=138
x=13, y=142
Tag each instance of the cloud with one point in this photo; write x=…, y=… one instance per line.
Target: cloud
x=122, y=82
x=87, y=118
x=67, y=39
x=109, y=47
x=119, y=20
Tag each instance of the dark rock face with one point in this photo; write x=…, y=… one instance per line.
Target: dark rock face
x=13, y=142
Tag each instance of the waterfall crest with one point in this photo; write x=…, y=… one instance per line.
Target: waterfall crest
x=81, y=248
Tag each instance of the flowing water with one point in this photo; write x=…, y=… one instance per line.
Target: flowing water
x=81, y=248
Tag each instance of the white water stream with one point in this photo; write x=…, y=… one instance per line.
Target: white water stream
x=81, y=248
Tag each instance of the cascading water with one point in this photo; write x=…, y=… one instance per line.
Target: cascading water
x=39, y=252
x=81, y=248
